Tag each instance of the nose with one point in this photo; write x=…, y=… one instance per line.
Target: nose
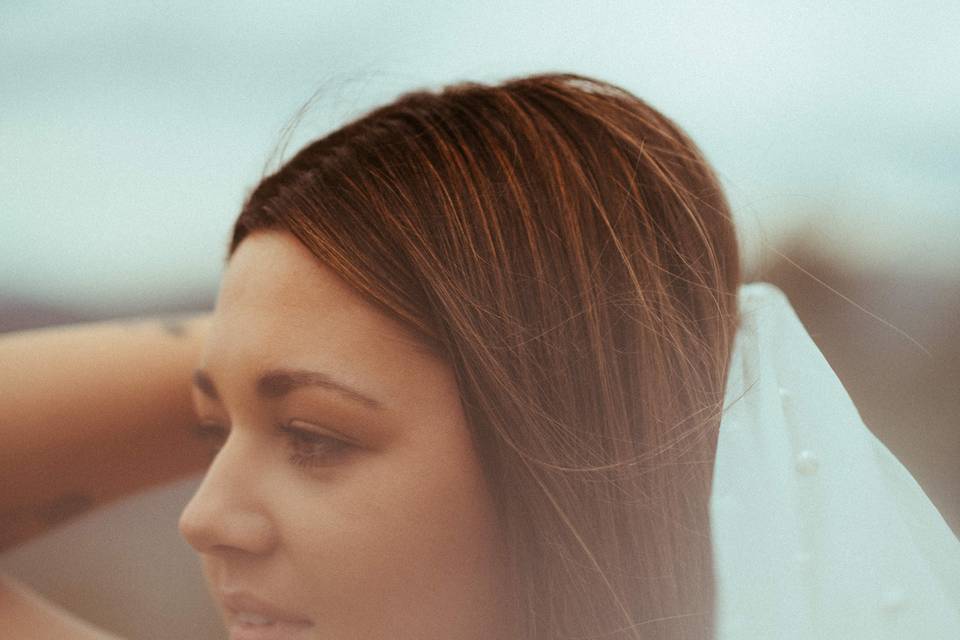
x=227, y=513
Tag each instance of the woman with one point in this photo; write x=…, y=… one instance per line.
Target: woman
x=464, y=379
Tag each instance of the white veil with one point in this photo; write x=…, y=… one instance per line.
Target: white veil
x=819, y=532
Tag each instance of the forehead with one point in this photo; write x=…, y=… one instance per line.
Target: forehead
x=279, y=305
x=274, y=276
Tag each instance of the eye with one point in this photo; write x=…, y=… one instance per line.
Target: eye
x=310, y=448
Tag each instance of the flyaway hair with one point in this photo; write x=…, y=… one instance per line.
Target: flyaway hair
x=569, y=252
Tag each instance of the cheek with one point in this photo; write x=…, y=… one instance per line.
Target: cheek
x=405, y=539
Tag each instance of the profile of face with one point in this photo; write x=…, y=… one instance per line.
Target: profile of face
x=346, y=499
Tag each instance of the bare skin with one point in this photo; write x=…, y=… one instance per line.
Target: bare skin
x=89, y=414
x=92, y=413
x=352, y=501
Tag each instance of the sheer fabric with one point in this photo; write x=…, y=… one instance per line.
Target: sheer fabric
x=818, y=531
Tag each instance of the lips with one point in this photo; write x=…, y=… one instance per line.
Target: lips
x=252, y=618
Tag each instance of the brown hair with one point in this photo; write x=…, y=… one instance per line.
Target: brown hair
x=567, y=249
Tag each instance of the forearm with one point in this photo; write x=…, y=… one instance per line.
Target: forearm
x=90, y=413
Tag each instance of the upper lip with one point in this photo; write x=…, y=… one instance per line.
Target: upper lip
x=237, y=601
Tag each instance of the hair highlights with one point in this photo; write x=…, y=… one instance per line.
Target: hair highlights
x=570, y=253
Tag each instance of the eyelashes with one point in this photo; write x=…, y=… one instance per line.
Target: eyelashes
x=310, y=448
x=212, y=435
x=306, y=447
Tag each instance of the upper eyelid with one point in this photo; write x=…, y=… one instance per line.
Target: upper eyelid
x=317, y=429
x=307, y=435
x=359, y=430
x=306, y=426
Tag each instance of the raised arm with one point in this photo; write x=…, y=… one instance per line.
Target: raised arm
x=91, y=413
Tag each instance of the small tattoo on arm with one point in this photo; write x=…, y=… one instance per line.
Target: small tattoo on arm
x=64, y=508
x=174, y=328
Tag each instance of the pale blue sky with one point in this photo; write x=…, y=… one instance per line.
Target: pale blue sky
x=132, y=131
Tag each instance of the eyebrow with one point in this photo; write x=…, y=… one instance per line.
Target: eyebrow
x=277, y=383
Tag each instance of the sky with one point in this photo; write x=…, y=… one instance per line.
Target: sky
x=132, y=131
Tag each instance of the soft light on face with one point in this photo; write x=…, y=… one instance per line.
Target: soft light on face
x=345, y=500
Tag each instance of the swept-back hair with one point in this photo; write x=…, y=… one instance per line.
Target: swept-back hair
x=569, y=252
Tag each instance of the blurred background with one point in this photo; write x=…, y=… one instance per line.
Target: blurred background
x=132, y=131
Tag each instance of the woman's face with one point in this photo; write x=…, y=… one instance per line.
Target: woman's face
x=346, y=501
